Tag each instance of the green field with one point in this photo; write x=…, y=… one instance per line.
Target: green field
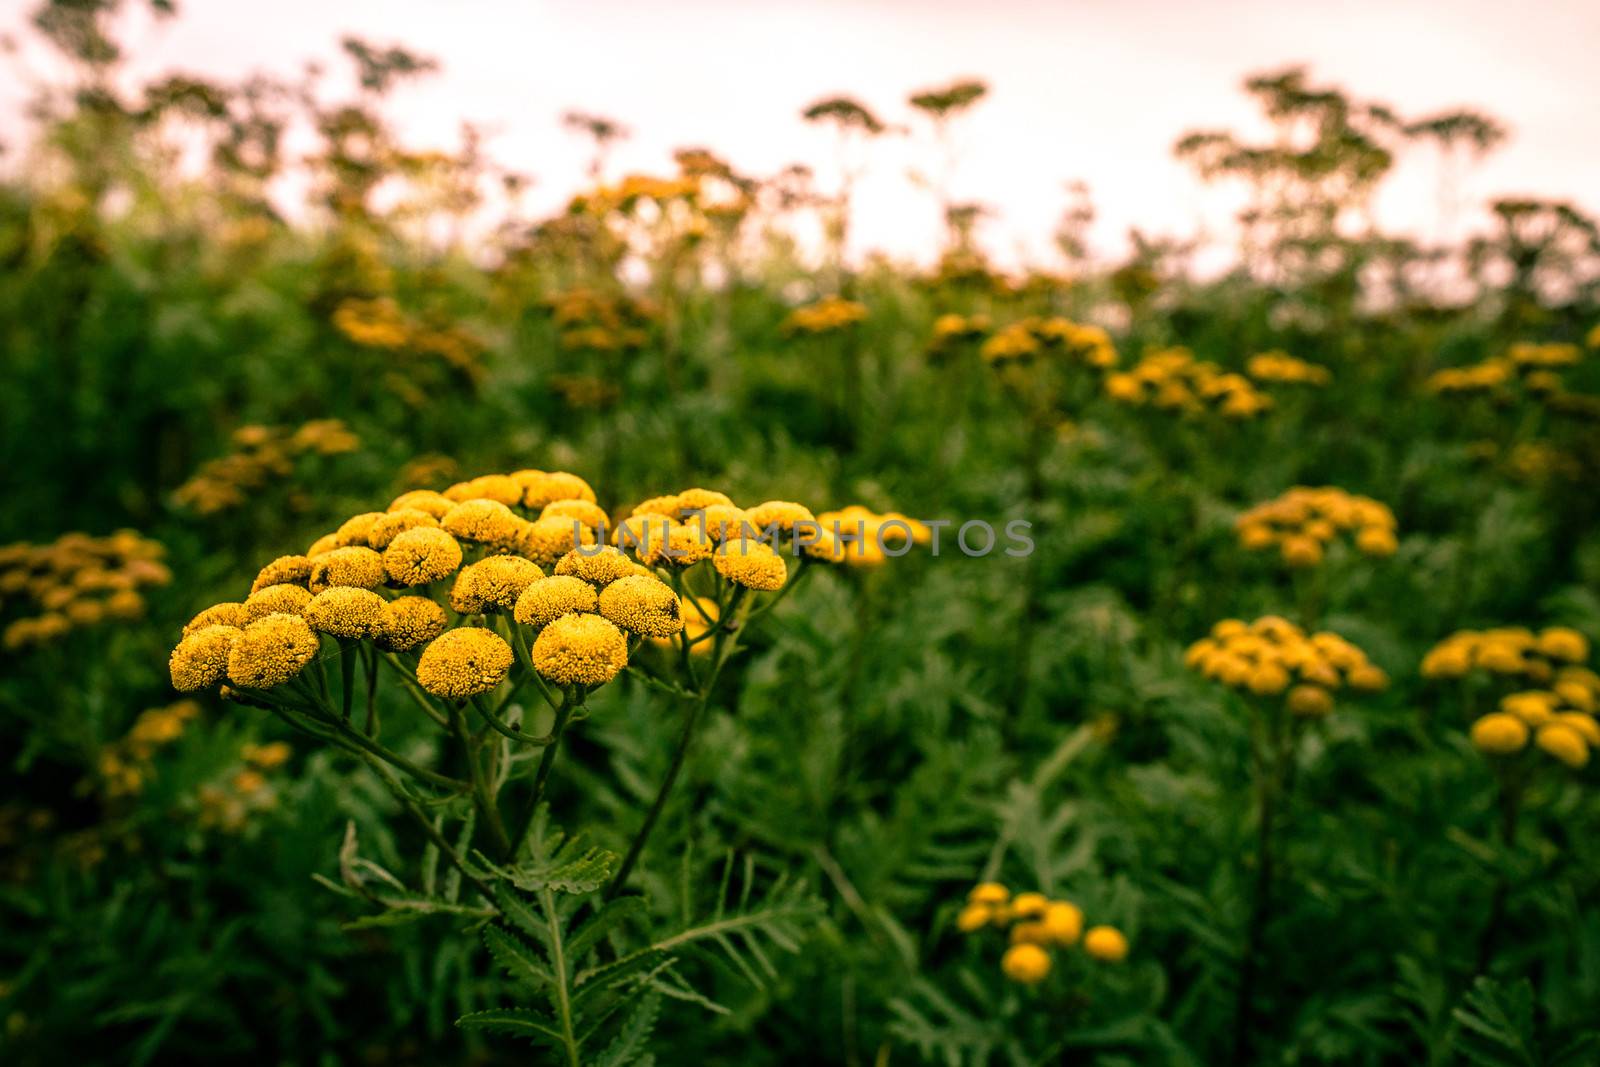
x=431, y=634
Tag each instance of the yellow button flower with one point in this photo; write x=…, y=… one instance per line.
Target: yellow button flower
x=597, y=566
x=752, y=564
x=421, y=555
x=347, y=612
x=1563, y=643
x=224, y=614
x=642, y=605
x=546, y=600
x=1310, y=701
x=1563, y=742
x=435, y=504
x=580, y=649
x=271, y=651
x=201, y=658
x=391, y=524
x=285, y=570
x=484, y=522
x=352, y=565
x=1499, y=734
x=546, y=540
x=411, y=621
x=276, y=600
x=1106, y=943
x=494, y=583
x=1026, y=964
x=542, y=488
x=1064, y=922
x=463, y=662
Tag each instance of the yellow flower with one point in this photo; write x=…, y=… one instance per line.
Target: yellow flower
x=542, y=488
x=356, y=529
x=1563, y=742
x=493, y=583
x=1376, y=541
x=1063, y=921
x=1310, y=701
x=393, y=523
x=501, y=488
x=547, y=599
x=1299, y=550
x=1447, y=660
x=267, y=756
x=546, y=540
x=597, y=566
x=325, y=543
x=421, y=555
x=642, y=605
x=348, y=566
x=271, y=651
x=347, y=612
x=201, y=658
x=1030, y=932
x=1563, y=643
x=691, y=500
x=285, y=570
x=276, y=600
x=227, y=613
x=781, y=514
x=435, y=504
x=1027, y=964
x=974, y=917
x=1584, y=724
x=1268, y=679
x=1367, y=678
x=581, y=649
x=989, y=893
x=752, y=564
x=1106, y=943
x=1577, y=695
x=1534, y=707
x=1499, y=734
x=411, y=621
x=1029, y=905
x=486, y=522
x=463, y=662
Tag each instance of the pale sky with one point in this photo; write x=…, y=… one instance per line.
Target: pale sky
x=1096, y=90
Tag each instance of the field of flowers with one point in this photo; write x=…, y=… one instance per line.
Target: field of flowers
x=641, y=635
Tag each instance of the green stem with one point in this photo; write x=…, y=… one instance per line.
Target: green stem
x=481, y=795
x=573, y=701
x=431, y=831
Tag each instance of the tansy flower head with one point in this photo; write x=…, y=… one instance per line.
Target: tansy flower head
x=721, y=522
x=1106, y=943
x=1563, y=643
x=548, y=539
x=1063, y=922
x=642, y=605
x=227, y=613
x=485, y=522
x=1027, y=964
x=690, y=500
x=1499, y=734
x=1310, y=701
x=285, y=570
x=597, y=566
x=356, y=529
x=501, y=488
x=542, y=488
x=991, y=893
x=752, y=564
x=271, y=651
x=779, y=514
x=411, y=620
x=393, y=523
x=1587, y=728
x=580, y=650
x=353, y=565
x=493, y=583
x=201, y=658
x=276, y=600
x=665, y=506
x=547, y=599
x=325, y=543
x=343, y=611
x=1565, y=743
x=463, y=662
x=435, y=504
x=421, y=555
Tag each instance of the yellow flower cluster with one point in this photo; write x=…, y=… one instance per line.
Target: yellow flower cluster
x=865, y=538
x=1509, y=652
x=1560, y=720
x=1272, y=657
x=1279, y=366
x=124, y=767
x=1534, y=366
x=379, y=323
x=74, y=582
x=1171, y=379
x=592, y=321
x=1302, y=522
x=261, y=455
x=828, y=315
x=1035, y=926
x=632, y=191
x=517, y=550
x=1054, y=336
